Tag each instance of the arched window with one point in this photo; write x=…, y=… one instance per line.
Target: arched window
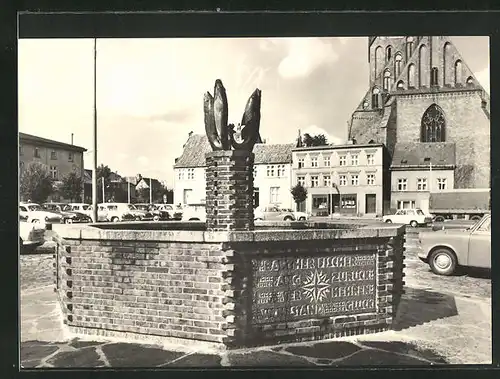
x=411, y=76
x=388, y=53
x=387, y=80
x=446, y=53
x=458, y=73
x=397, y=64
x=379, y=63
x=400, y=85
x=470, y=81
x=433, y=125
x=409, y=47
x=375, y=97
x=434, y=77
x=423, y=64
x=365, y=104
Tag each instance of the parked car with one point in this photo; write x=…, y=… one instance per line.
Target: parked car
x=174, y=211
x=153, y=208
x=67, y=214
x=194, y=212
x=31, y=235
x=79, y=207
x=412, y=217
x=446, y=250
x=273, y=213
x=114, y=212
x=139, y=214
x=35, y=213
x=301, y=216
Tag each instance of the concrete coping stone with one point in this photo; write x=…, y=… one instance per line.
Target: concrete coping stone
x=100, y=232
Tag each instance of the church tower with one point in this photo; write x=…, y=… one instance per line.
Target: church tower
x=422, y=93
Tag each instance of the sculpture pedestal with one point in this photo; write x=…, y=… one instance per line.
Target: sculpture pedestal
x=229, y=191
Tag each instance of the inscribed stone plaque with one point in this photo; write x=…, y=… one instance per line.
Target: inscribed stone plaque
x=294, y=288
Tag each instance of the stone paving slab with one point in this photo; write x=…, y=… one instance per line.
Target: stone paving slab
x=432, y=329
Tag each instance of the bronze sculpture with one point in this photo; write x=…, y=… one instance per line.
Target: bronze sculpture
x=221, y=135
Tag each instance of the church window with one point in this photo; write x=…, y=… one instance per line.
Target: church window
x=470, y=80
x=387, y=80
x=365, y=104
x=400, y=85
x=411, y=76
x=423, y=62
x=388, y=53
x=458, y=72
x=397, y=64
x=378, y=60
x=433, y=125
x=434, y=76
x=375, y=98
x=446, y=53
x=409, y=47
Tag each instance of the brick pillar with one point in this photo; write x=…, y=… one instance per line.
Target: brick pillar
x=229, y=197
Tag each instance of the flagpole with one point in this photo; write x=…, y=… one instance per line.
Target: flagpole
x=150, y=192
x=128, y=191
x=94, y=168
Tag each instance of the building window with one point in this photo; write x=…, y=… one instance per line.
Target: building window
x=180, y=174
x=21, y=150
x=342, y=160
x=327, y=181
x=378, y=60
x=370, y=158
x=433, y=125
x=423, y=62
x=37, y=152
x=446, y=50
x=397, y=64
x=254, y=172
x=326, y=160
x=411, y=76
x=53, y=155
x=274, y=195
x=434, y=77
x=388, y=53
x=458, y=72
x=301, y=180
x=387, y=80
x=70, y=156
x=375, y=98
x=190, y=173
x=370, y=179
x=400, y=85
x=409, y=47
x=354, y=160
x=354, y=179
x=421, y=184
x=256, y=195
x=470, y=81
x=314, y=181
x=314, y=161
x=342, y=180
x=53, y=172
x=402, y=184
x=441, y=182
x=301, y=162
x=280, y=170
x=406, y=204
x=270, y=171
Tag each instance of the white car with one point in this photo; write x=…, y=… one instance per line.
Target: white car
x=31, y=235
x=115, y=212
x=86, y=209
x=301, y=216
x=194, y=212
x=32, y=212
x=412, y=217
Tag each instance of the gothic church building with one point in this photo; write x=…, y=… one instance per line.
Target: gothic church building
x=426, y=106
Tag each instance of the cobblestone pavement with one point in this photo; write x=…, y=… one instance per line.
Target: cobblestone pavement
x=440, y=320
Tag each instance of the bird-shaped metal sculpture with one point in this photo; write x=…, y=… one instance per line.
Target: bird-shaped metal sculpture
x=221, y=135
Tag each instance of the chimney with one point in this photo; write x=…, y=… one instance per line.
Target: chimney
x=72, y=138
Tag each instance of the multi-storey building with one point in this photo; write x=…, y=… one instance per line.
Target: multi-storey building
x=426, y=106
x=60, y=158
x=343, y=179
x=272, y=173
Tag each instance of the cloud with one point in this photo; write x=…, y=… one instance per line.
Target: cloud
x=483, y=78
x=143, y=160
x=304, y=56
x=315, y=130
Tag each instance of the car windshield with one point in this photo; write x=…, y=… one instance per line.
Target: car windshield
x=67, y=208
x=132, y=207
x=34, y=207
x=420, y=212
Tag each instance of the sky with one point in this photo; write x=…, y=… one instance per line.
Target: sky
x=150, y=91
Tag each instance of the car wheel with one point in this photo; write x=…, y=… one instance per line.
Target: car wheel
x=115, y=219
x=156, y=218
x=443, y=261
x=68, y=221
x=288, y=218
x=258, y=219
x=388, y=221
x=302, y=218
x=439, y=219
x=35, y=221
x=475, y=218
x=194, y=219
x=413, y=224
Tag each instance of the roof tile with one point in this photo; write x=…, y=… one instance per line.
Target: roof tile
x=415, y=153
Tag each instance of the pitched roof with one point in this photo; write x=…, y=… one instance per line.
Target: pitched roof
x=147, y=181
x=415, y=153
x=197, y=146
x=29, y=138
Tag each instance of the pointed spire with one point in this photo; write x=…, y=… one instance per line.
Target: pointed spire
x=299, y=140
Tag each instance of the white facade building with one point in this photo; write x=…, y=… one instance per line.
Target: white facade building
x=272, y=173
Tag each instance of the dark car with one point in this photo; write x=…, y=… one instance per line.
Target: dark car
x=67, y=216
x=152, y=209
